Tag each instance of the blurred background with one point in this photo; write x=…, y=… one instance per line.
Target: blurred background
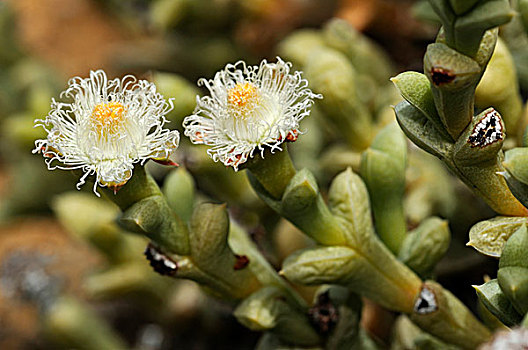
x=69, y=275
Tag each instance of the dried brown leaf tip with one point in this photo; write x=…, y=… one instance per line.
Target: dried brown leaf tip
x=487, y=131
x=241, y=262
x=160, y=262
x=426, y=302
x=324, y=315
x=441, y=76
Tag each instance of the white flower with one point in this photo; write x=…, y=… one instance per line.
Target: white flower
x=250, y=108
x=107, y=127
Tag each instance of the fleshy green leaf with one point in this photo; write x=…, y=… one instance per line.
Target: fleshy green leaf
x=415, y=88
x=489, y=236
x=421, y=130
x=497, y=303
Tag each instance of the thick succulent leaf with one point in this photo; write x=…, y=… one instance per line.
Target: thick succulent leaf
x=268, y=310
x=494, y=299
x=426, y=245
x=516, y=162
x=415, y=88
x=349, y=201
x=490, y=236
x=421, y=130
x=517, y=188
x=513, y=281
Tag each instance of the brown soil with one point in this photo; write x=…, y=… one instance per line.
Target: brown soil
x=72, y=35
x=38, y=246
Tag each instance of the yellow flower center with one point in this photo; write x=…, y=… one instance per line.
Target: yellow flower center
x=242, y=97
x=106, y=117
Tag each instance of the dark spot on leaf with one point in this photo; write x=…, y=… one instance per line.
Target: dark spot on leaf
x=426, y=302
x=487, y=131
x=324, y=315
x=160, y=262
x=441, y=76
x=241, y=262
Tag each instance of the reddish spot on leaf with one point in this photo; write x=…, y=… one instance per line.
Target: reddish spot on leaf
x=441, y=76
x=166, y=162
x=241, y=262
x=324, y=315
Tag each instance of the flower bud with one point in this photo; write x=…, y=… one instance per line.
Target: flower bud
x=496, y=302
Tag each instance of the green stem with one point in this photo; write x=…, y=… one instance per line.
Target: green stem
x=138, y=187
x=146, y=211
x=265, y=273
x=273, y=172
x=390, y=223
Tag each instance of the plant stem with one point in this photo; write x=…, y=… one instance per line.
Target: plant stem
x=273, y=172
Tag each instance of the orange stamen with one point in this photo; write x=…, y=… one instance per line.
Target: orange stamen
x=107, y=116
x=242, y=95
